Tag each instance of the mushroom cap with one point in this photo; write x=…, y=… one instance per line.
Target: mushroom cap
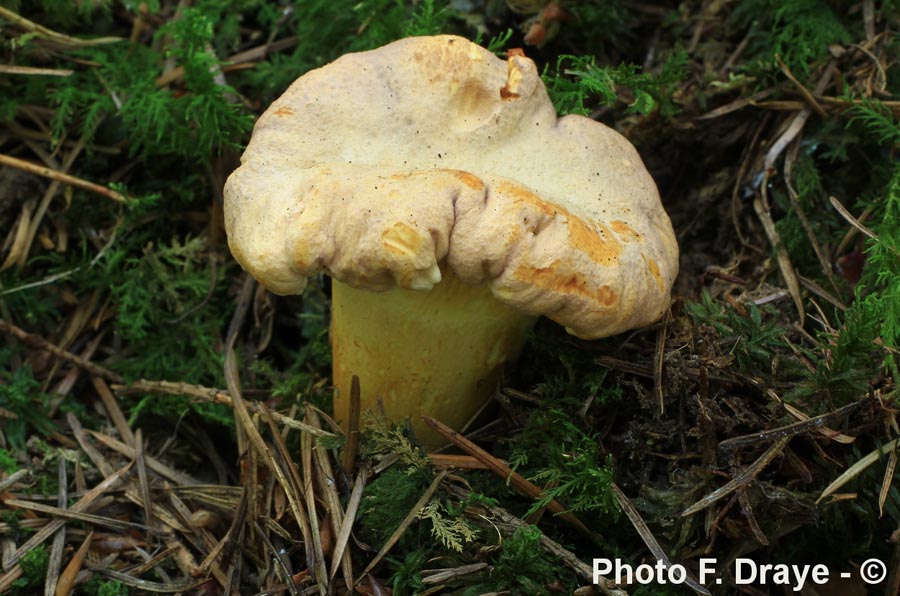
x=384, y=166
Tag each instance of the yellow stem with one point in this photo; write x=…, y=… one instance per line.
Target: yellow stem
x=437, y=353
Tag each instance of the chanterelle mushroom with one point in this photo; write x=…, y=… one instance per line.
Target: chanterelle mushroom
x=436, y=186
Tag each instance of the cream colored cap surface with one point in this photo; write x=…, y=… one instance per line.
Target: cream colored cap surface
x=430, y=152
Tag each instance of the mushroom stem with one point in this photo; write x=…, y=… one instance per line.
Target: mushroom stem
x=437, y=353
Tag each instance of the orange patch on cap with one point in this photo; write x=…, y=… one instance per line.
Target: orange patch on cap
x=402, y=239
x=624, y=231
x=587, y=240
x=654, y=271
x=470, y=180
x=284, y=111
x=606, y=296
x=549, y=278
x=582, y=237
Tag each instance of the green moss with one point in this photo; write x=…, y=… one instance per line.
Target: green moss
x=797, y=31
x=522, y=566
x=578, y=84
x=388, y=499
x=34, y=571
x=21, y=394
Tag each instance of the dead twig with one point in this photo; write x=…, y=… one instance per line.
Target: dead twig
x=506, y=473
x=741, y=480
x=791, y=429
x=211, y=395
x=37, y=342
x=33, y=168
x=43, y=32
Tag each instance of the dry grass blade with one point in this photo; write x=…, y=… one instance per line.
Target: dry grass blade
x=294, y=490
x=67, y=579
x=349, y=453
x=506, y=473
x=143, y=480
x=256, y=441
x=13, y=479
x=280, y=563
x=741, y=480
x=34, y=71
x=201, y=538
x=886, y=482
x=410, y=517
x=850, y=219
x=647, y=536
x=32, y=168
x=343, y=536
x=113, y=410
x=437, y=576
x=658, y=361
x=318, y=553
x=18, y=240
x=857, y=468
x=154, y=464
x=450, y=460
x=806, y=93
x=737, y=104
x=83, y=503
x=747, y=510
x=252, y=54
x=793, y=429
x=208, y=394
x=92, y=453
x=781, y=256
x=329, y=494
x=149, y=586
x=224, y=548
x=90, y=518
x=59, y=540
x=235, y=538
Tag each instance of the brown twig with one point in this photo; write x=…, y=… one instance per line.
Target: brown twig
x=212, y=395
x=21, y=22
x=741, y=480
x=791, y=429
x=33, y=168
x=506, y=473
x=39, y=343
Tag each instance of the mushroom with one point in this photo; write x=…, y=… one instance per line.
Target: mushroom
x=436, y=186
